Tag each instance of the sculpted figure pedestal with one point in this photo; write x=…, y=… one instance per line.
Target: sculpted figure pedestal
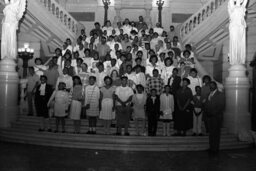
x=9, y=80
x=237, y=119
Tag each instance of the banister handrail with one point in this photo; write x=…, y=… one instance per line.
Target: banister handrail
x=61, y=14
x=198, y=17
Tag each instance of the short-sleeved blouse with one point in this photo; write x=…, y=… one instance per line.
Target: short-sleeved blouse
x=107, y=93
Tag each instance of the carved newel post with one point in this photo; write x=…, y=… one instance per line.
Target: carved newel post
x=106, y=3
x=237, y=117
x=160, y=4
x=9, y=80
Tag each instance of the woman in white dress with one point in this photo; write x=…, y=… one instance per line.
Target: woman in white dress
x=92, y=97
x=76, y=105
x=60, y=97
x=107, y=104
x=166, y=108
x=167, y=70
x=108, y=28
x=237, y=31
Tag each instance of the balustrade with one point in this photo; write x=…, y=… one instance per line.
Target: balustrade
x=61, y=14
x=207, y=10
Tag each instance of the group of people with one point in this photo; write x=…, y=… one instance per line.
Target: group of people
x=130, y=72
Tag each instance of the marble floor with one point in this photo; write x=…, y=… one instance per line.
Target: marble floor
x=22, y=157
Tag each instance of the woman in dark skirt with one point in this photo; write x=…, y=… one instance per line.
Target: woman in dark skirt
x=183, y=117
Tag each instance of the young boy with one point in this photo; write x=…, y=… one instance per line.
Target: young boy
x=197, y=112
x=153, y=112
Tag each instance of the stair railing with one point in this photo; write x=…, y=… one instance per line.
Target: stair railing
x=196, y=19
x=61, y=14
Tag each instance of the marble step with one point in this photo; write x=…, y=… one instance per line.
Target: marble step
x=84, y=128
x=125, y=139
x=61, y=140
x=84, y=123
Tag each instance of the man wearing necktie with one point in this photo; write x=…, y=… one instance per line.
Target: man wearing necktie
x=214, y=107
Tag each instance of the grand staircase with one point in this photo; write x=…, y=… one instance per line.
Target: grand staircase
x=24, y=130
x=48, y=21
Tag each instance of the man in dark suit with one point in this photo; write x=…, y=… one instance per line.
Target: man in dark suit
x=214, y=107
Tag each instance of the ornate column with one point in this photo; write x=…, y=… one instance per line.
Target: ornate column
x=237, y=118
x=9, y=82
x=160, y=4
x=106, y=3
x=9, y=79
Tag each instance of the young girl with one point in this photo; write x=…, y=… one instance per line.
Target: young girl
x=197, y=112
x=76, y=105
x=92, y=97
x=61, y=102
x=166, y=108
x=107, y=104
x=139, y=103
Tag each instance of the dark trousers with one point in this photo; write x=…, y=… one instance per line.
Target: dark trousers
x=152, y=124
x=30, y=98
x=92, y=121
x=214, y=124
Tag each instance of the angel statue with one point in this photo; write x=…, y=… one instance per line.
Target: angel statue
x=13, y=12
x=237, y=31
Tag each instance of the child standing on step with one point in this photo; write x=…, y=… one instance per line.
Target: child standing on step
x=153, y=111
x=92, y=105
x=166, y=108
x=139, y=103
x=76, y=105
x=197, y=112
x=107, y=104
x=60, y=97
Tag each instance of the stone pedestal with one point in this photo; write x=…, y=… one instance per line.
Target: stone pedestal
x=237, y=117
x=9, y=82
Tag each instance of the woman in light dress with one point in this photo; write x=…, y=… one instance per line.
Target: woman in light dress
x=91, y=101
x=60, y=97
x=167, y=70
x=107, y=104
x=237, y=31
x=76, y=104
x=139, y=101
x=166, y=108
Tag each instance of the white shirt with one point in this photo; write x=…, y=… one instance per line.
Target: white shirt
x=42, y=89
x=108, y=29
x=159, y=30
x=123, y=93
x=197, y=81
x=167, y=73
